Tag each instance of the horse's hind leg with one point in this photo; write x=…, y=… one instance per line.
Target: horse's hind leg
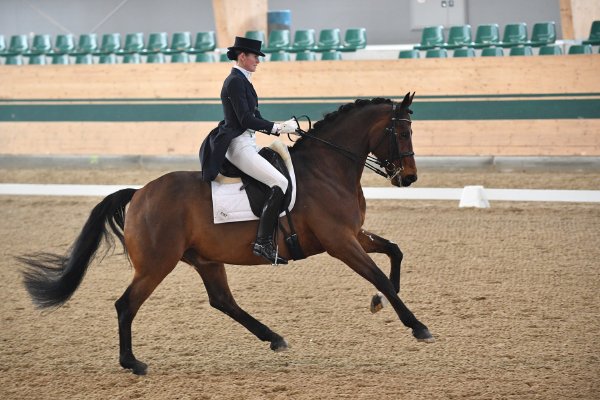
x=372, y=243
x=148, y=276
x=220, y=297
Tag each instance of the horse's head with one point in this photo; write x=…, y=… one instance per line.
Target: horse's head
x=394, y=149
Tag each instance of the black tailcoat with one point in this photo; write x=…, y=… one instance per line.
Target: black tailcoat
x=240, y=107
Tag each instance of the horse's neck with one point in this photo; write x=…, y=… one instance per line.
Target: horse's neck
x=330, y=164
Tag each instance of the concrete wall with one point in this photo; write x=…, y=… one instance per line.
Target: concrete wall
x=387, y=21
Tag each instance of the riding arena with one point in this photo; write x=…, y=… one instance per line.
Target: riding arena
x=447, y=215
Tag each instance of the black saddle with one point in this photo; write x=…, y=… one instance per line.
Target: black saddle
x=257, y=191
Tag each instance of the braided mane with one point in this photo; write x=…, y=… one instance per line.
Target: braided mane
x=345, y=109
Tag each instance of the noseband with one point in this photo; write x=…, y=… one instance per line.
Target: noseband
x=389, y=170
x=385, y=168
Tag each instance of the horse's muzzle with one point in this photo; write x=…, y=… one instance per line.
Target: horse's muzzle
x=408, y=180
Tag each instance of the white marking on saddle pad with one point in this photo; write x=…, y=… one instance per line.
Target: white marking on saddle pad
x=230, y=202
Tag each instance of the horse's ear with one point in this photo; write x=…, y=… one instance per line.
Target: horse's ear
x=407, y=100
x=412, y=97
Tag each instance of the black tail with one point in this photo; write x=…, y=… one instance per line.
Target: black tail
x=51, y=279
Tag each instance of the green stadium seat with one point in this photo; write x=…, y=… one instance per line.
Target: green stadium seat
x=2, y=44
x=431, y=37
x=134, y=43
x=492, y=52
x=180, y=58
x=594, y=37
x=458, y=36
x=329, y=40
x=109, y=58
x=87, y=44
x=551, y=50
x=132, y=58
x=280, y=56
x=304, y=40
x=60, y=59
x=514, y=35
x=64, y=44
x=205, y=42
x=37, y=59
x=521, y=51
x=256, y=35
x=156, y=58
x=333, y=55
x=84, y=59
x=41, y=44
x=436, y=53
x=543, y=33
x=111, y=43
x=487, y=35
x=306, y=56
x=180, y=42
x=14, y=59
x=157, y=43
x=580, y=49
x=18, y=45
x=409, y=54
x=469, y=52
x=354, y=39
x=205, y=57
x=223, y=58
x=279, y=40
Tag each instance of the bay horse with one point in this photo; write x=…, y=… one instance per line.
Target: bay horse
x=170, y=219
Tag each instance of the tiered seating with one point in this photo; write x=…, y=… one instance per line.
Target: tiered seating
x=542, y=34
x=179, y=48
x=487, y=41
x=487, y=35
x=431, y=37
x=134, y=44
x=550, y=50
x=18, y=45
x=305, y=43
x=580, y=49
x=514, y=35
x=354, y=39
x=458, y=36
x=64, y=45
x=594, y=38
x=40, y=46
x=521, y=51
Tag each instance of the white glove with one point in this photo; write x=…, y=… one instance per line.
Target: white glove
x=288, y=127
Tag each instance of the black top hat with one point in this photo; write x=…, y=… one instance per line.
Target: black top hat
x=246, y=45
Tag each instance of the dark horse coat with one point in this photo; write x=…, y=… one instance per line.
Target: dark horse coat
x=240, y=107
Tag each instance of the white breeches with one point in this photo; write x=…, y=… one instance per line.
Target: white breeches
x=243, y=153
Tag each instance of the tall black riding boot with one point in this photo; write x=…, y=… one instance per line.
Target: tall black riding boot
x=266, y=226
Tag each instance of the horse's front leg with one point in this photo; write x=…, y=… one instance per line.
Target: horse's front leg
x=352, y=254
x=372, y=243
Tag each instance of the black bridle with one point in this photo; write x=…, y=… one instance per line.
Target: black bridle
x=385, y=168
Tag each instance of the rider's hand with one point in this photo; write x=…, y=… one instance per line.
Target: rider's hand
x=288, y=127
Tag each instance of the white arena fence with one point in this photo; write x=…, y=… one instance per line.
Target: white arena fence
x=469, y=196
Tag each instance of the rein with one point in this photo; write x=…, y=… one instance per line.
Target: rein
x=383, y=168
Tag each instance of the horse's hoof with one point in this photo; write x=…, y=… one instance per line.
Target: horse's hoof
x=137, y=367
x=377, y=302
x=279, y=345
x=423, y=335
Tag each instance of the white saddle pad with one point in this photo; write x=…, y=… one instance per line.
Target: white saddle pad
x=230, y=201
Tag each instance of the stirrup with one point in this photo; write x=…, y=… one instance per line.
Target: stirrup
x=267, y=251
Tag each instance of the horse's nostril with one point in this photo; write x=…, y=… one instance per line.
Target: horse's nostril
x=411, y=178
